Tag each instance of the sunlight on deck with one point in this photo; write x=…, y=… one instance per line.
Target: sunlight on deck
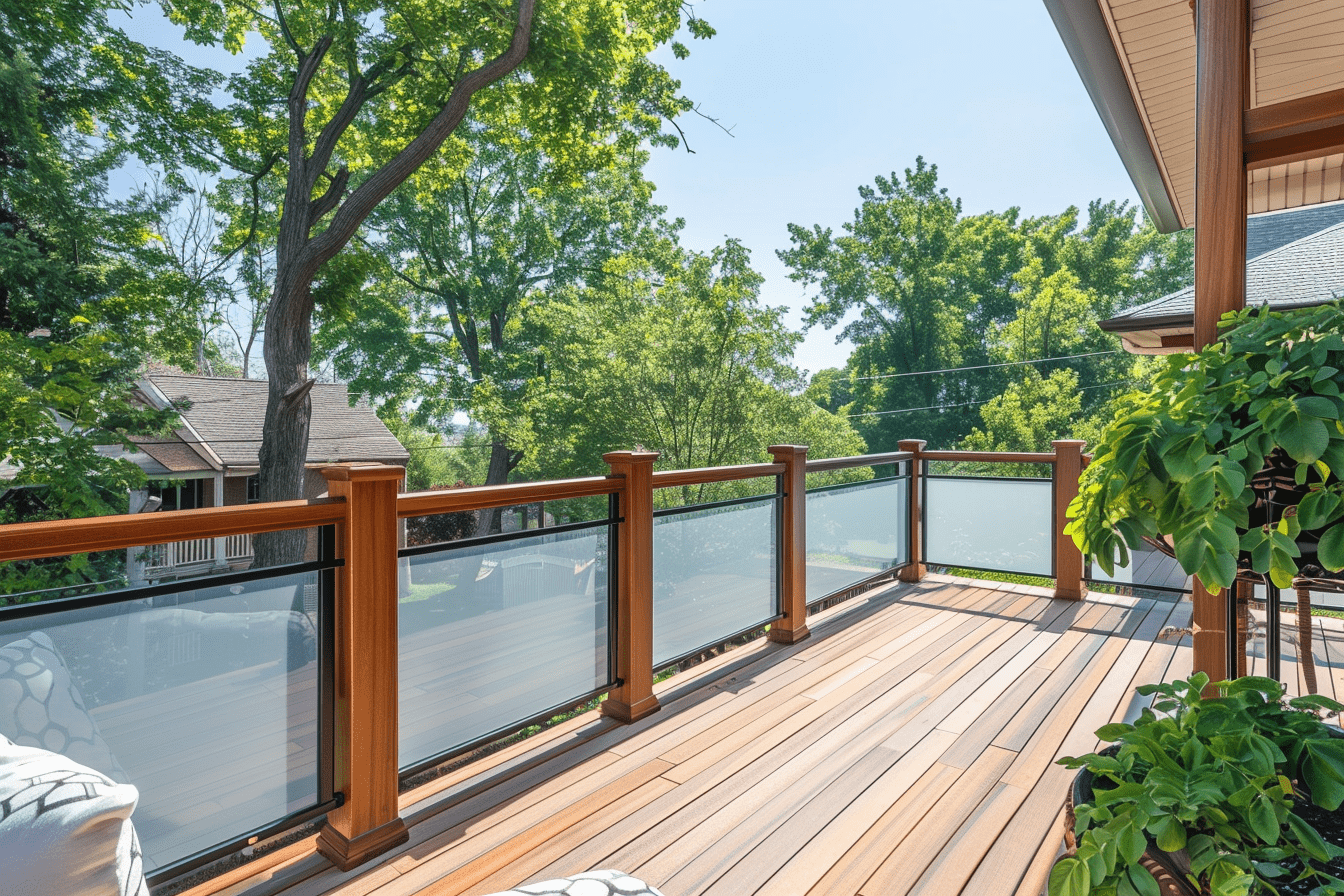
x=908, y=746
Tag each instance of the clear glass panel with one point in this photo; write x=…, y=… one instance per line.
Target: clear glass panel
x=492, y=635
x=713, y=575
x=1002, y=524
x=206, y=700
x=1147, y=568
x=193, y=560
x=854, y=532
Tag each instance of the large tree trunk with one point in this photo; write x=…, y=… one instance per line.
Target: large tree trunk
x=284, y=447
x=502, y=461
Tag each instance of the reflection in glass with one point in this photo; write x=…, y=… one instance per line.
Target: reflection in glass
x=206, y=700
x=854, y=532
x=492, y=635
x=713, y=576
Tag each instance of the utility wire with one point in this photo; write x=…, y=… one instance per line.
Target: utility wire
x=967, y=404
x=887, y=376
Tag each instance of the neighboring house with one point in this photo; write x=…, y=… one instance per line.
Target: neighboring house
x=212, y=460
x=1294, y=259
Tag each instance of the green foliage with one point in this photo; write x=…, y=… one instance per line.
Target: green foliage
x=918, y=287
x=1180, y=458
x=1212, y=776
x=677, y=355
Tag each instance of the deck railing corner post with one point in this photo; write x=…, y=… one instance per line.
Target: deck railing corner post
x=1069, y=567
x=368, y=822
x=633, y=698
x=915, y=570
x=792, y=545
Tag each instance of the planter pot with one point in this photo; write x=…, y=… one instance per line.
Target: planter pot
x=1171, y=869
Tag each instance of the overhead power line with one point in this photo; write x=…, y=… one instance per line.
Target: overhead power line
x=887, y=376
x=967, y=404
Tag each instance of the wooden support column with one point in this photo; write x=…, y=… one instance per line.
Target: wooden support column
x=914, y=571
x=633, y=699
x=367, y=824
x=792, y=545
x=1068, y=559
x=1221, y=71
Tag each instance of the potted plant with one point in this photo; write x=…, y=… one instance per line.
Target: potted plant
x=1223, y=796
x=1234, y=454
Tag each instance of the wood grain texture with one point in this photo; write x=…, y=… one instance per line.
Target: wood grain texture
x=792, y=544
x=56, y=538
x=1069, y=567
x=367, y=823
x=704, y=475
x=633, y=699
x=915, y=570
x=907, y=746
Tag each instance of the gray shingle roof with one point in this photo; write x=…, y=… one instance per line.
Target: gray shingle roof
x=1307, y=271
x=228, y=415
x=1267, y=232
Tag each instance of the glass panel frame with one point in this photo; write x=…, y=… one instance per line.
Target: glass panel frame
x=901, y=539
x=552, y=579
x=202, y=628
x=674, y=601
x=1034, y=559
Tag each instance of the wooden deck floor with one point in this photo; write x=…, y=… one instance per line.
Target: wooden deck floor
x=908, y=746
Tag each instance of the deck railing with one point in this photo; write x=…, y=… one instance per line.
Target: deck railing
x=417, y=654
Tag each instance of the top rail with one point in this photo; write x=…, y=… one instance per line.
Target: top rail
x=1003, y=457
x=827, y=464
x=705, y=475
x=56, y=538
x=453, y=500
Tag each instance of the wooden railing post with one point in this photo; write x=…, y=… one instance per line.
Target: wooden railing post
x=792, y=545
x=633, y=699
x=1068, y=559
x=367, y=823
x=914, y=571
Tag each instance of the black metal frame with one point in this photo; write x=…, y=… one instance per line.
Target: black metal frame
x=144, y=592
x=924, y=523
x=715, y=505
x=504, y=731
x=719, y=642
x=325, y=567
x=500, y=537
x=909, y=530
x=612, y=525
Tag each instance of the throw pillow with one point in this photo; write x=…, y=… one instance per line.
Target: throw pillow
x=65, y=828
x=41, y=707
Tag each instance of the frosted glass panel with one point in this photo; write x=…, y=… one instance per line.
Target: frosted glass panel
x=854, y=532
x=713, y=576
x=205, y=700
x=492, y=635
x=1002, y=524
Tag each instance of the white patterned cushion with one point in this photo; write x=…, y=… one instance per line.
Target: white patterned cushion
x=591, y=883
x=41, y=707
x=64, y=828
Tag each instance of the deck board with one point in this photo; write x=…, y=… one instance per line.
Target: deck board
x=908, y=746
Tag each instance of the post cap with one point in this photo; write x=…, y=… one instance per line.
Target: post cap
x=631, y=457
x=778, y=451
x=362, y=472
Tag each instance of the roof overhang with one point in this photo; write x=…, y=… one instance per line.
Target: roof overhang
x=1137, y=61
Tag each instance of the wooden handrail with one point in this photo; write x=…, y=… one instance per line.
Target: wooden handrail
x=705, y=475
x=487, y=496
x=56, y=538
x=1001, y=457
x=827, y=464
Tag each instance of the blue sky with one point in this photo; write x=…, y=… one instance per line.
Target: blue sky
x=823, y=97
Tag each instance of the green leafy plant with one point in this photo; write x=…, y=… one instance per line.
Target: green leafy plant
x=1234, y=453
x=1214, y=777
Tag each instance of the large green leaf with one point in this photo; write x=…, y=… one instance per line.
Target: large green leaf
x=1331, y=549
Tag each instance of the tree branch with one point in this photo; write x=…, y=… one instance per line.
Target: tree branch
x=381, y=183
x=332, y=197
